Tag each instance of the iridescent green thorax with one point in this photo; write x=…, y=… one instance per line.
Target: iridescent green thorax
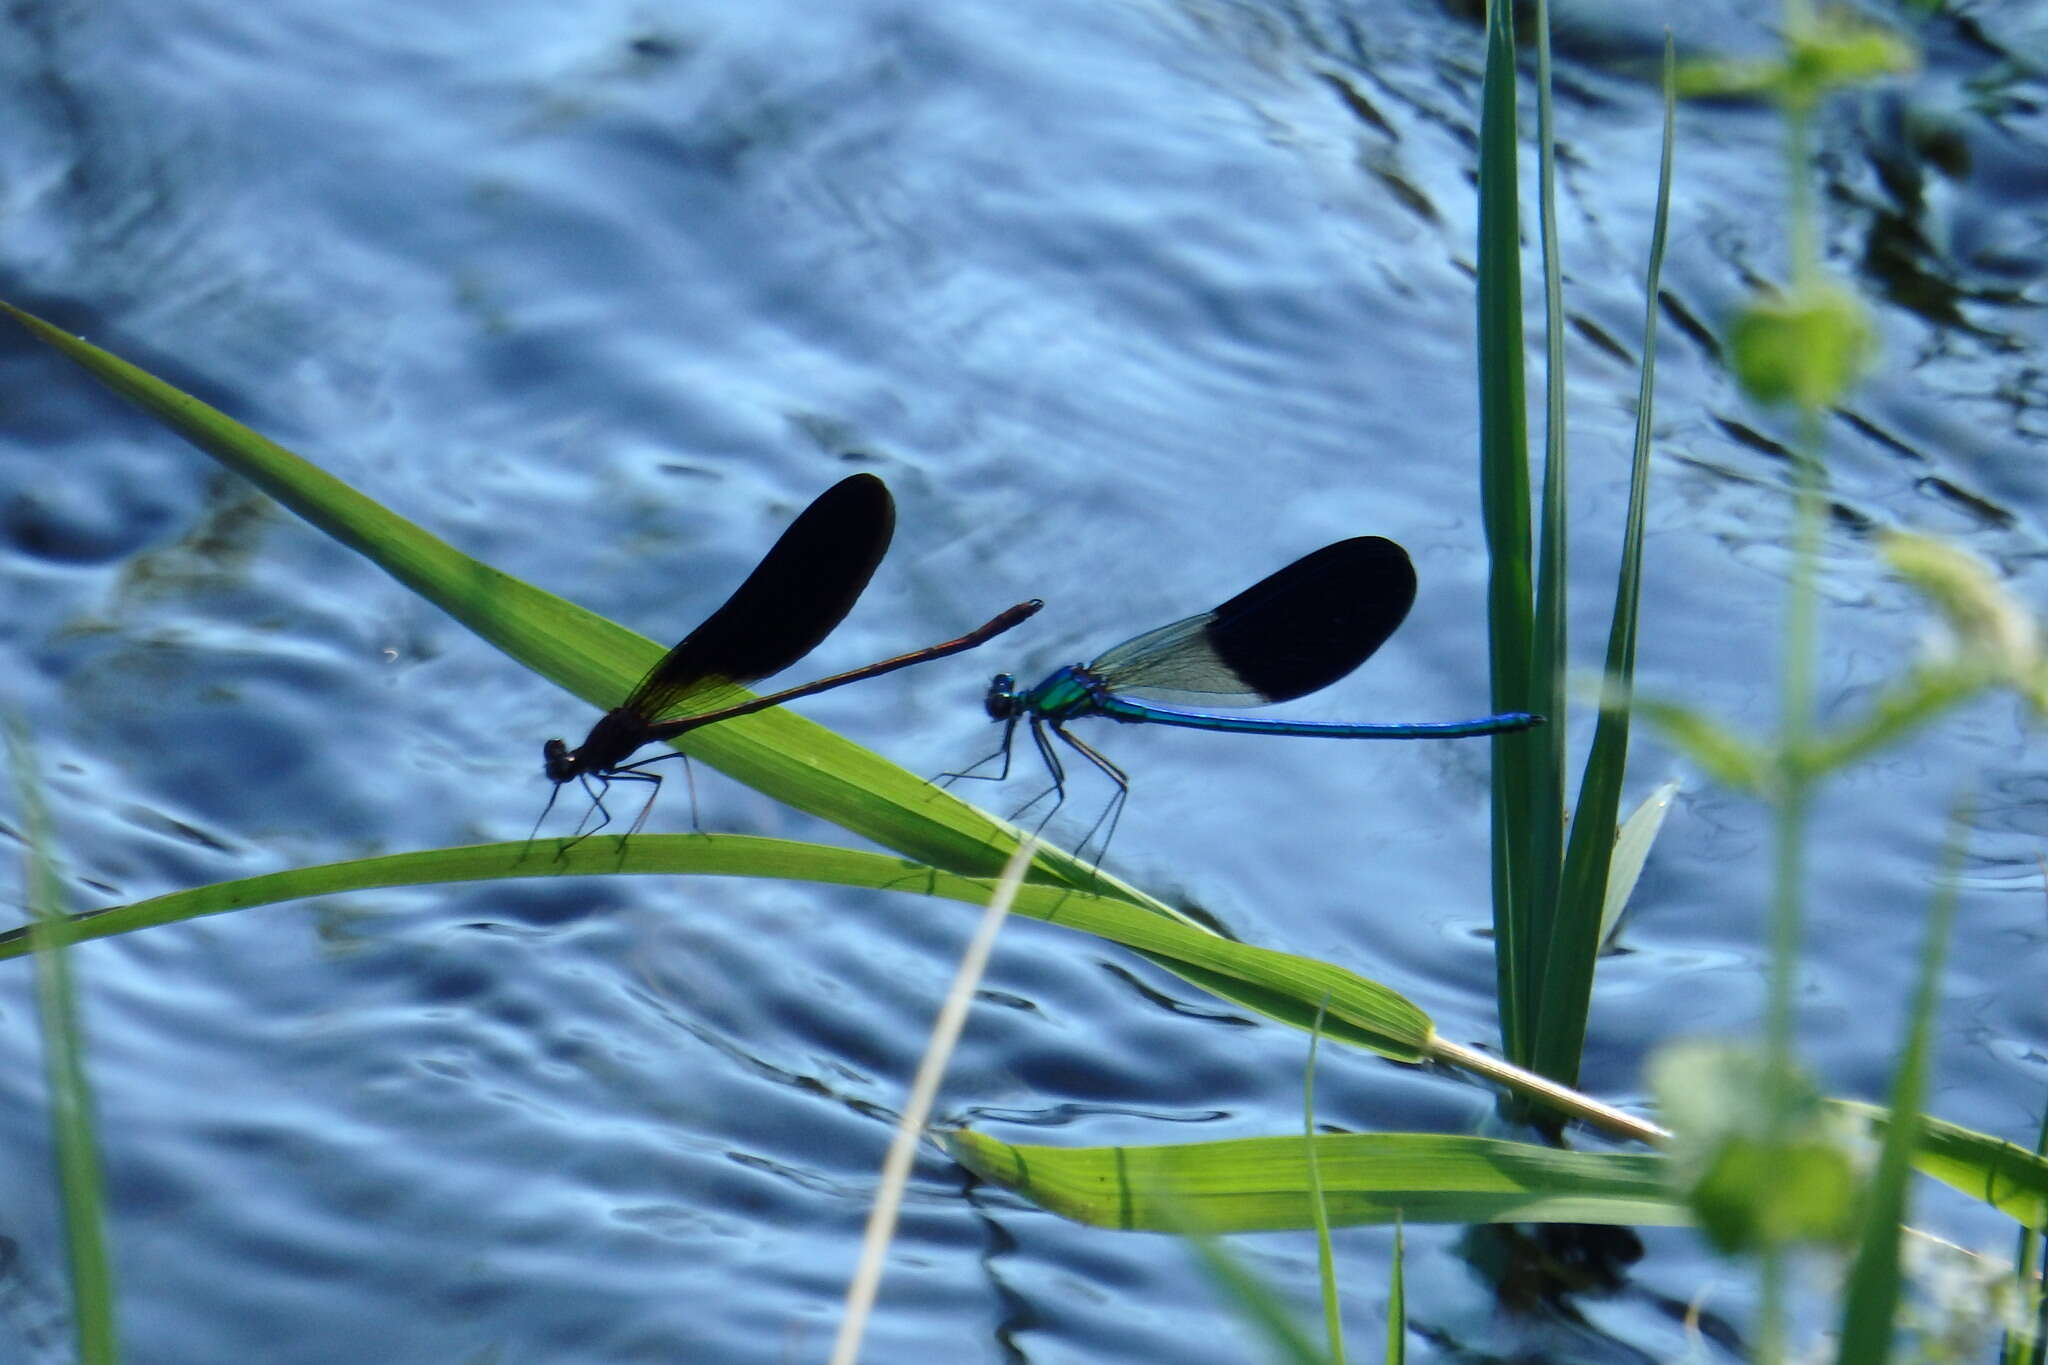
x=1067, y=693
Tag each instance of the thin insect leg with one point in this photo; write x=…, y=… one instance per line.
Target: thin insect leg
x=1058, y=790
x=535, y=833
x=1115, y=810
x=633, y=772
x=596, y=795
x=604, y=784
x=690, y=784
x=1009, y=730
x=644, y=810
x=604, y=781
x=945, y=780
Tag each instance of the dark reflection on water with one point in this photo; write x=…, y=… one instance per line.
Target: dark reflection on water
x=1133, y=305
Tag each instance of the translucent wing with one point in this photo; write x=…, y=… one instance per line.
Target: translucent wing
x=1176, y=663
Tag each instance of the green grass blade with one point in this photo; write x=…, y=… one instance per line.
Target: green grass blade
x=1548, y=636
x=1397, y=1298
x=2029, y=1345
x=1326, y=1258
x=1282, y=986
x=1263, y=1184
x=777, y=752
x=1260, y=1306
x=1574, y=940
x=1870, y=1305
x=1631, y=850
x=1518, y=759
x=81, y=1183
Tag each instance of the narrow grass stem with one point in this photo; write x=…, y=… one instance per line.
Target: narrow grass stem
x=924, y=1092
x=1561, y=1099
x=1795, y=711
x=1793, y=802
x=81, y=1182
x=1795, y=733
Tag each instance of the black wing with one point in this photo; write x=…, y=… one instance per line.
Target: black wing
x=1317, y=619
x=790, y=602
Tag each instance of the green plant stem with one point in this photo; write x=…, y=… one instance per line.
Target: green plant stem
x=1794, y=801
x=1527, y=1085
x=1793, y=786
x=1804, y=232
x=1794, y=778
x=74, y=1131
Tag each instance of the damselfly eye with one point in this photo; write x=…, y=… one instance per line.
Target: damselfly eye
x=1001, y=701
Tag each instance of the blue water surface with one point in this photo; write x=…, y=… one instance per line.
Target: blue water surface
x=1130, y=304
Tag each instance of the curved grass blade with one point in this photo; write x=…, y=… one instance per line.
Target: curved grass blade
x=779, y=752
x=1281, y=985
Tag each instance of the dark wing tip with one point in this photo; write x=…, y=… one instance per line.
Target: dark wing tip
x=1314, y=621
x=862, y=487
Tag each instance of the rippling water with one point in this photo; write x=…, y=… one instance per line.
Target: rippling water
x=1130, y=304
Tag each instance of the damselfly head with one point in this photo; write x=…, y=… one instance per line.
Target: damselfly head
x=1001, y=701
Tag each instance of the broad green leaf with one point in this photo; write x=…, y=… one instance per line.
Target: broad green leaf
x=1837, y=49
x=1750, y=1194
x=1262, y=1184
